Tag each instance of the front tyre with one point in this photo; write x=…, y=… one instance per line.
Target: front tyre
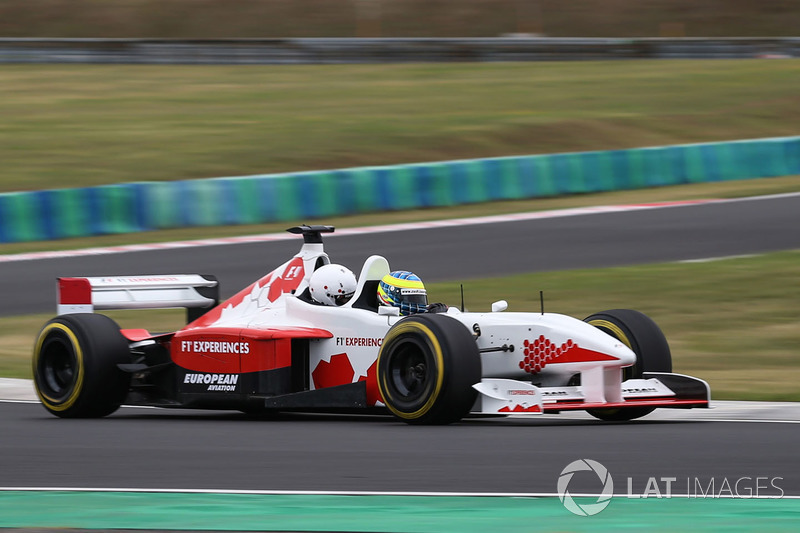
x=75, y=362
x=427, y=365
x=643, y=336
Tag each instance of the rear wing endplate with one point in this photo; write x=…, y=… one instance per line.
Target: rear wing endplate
x=197, y=293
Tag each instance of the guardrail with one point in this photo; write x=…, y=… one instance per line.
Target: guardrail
x=385, y=50
x=145, y=206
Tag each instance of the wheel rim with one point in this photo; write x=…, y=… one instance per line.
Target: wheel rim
x=409, y=373
x=57, y=366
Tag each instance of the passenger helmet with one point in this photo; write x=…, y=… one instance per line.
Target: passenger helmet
x=332, y=285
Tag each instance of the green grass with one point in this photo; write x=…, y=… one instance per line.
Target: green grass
x=734, y=322
x=81, y=125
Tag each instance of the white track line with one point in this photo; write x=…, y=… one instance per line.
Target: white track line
x=368, y=493
x=721, y=258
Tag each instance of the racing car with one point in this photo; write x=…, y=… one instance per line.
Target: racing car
x=272, y=348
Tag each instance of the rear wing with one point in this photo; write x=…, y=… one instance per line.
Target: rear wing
x=197, y=293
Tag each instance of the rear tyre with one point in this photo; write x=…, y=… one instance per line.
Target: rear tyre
x=427, y=365
x=75, y=362
x=639, y=333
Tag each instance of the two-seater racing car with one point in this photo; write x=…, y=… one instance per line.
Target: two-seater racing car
x=271, y=348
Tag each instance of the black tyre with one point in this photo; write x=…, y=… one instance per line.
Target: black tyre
x=426, y=368
x=639, y=333
x=75, y=366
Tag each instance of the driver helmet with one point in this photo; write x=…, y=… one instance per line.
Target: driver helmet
x=405, y=290
x=332, y=285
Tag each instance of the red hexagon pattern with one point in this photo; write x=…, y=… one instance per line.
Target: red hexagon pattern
x=541, y=351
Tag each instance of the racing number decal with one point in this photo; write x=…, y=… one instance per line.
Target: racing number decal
x=76, y=390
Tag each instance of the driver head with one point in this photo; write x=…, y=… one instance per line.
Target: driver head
x=403, y=289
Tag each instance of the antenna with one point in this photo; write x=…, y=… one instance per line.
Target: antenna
x=541, y=300
x=462, y=297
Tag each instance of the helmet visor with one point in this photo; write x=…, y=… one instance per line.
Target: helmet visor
x=414, y=296
x=341, y=299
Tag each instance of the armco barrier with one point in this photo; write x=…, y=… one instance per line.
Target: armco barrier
x=132, y=207
x=386, y=50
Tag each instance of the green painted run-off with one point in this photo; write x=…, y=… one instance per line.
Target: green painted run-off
x=292, y=512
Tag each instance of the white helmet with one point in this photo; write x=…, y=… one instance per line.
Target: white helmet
x=332, y=285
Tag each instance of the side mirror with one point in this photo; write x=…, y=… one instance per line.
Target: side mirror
x=385, y=310
x=500, y=305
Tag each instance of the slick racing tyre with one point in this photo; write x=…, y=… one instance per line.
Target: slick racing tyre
x=639, y=333
x=427, y=365
x=75, y=366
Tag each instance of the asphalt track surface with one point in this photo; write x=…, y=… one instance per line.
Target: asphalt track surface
x=145, y=448
x=455, y=253
x=181, y=449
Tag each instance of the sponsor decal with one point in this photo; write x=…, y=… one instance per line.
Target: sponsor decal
x=239, y=347
x=359, y=341
x=413, y=291
x=215, y=382
x=521, y=392
x=140, y=279
x=638, y=390
x=285, y=283
x=293, y=271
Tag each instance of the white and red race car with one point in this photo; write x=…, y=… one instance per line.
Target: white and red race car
x=271, y=348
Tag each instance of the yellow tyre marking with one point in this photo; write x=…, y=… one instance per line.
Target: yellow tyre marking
x=615, y=329
x=411, y=327
x=51, y=403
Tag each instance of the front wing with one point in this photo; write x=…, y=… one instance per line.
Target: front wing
x=655, y=389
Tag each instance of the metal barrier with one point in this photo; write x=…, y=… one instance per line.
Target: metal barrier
x=384, y=50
